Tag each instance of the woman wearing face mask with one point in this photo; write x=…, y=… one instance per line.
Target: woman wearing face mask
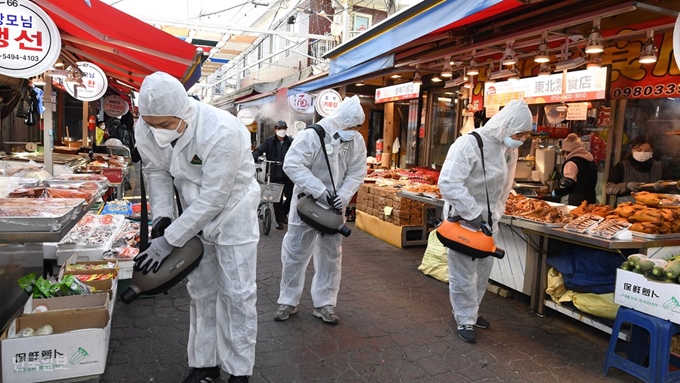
x=636, y=169
x=580, y=173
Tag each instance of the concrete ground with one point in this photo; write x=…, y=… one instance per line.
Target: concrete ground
x=395, y=326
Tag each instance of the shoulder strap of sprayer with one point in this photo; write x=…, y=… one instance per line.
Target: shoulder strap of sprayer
x=322, y=134
x=144, y=219
x=481, y=151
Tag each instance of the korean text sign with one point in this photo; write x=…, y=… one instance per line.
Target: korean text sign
x=29, y=39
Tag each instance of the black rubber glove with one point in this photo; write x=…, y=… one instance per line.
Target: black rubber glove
x=475, y=224
x=158, y=229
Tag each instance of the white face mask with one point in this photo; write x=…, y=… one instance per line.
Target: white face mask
x=164, y=137
x=512, y=143
x=642, y=156
x=345, y=135
x=281, y=133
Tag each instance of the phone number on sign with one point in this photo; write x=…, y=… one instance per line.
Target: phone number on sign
x=647, y=91
x=10, y=56
x=569, y=97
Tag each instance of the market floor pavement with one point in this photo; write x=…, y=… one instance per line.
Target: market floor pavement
x=395, y=326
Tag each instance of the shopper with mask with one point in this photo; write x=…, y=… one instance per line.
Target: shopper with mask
x=463, y=182
x=276, y=148
x=205, y=153
x=579, y=173
x=306, y=166
x=636, y=169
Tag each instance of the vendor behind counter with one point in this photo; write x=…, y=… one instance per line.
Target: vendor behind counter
x=637, y=169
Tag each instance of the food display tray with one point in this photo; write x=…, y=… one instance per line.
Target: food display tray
x=655, y=236
x=546, y=224
x=434, y=196
x=45, y=223
x=410, y=192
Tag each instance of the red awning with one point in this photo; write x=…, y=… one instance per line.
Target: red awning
x=497, y=9
x=126, y=48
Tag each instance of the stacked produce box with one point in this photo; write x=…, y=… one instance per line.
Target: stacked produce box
x=373, y=199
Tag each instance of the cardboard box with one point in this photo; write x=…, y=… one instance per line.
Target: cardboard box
x=78, y=347
x=74, y=302
x=109, y=287
x=660, y=299
x=73, y=259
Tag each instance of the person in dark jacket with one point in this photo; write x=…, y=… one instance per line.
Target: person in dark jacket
x=638, y=168
x=579, y=173
x=276, y=148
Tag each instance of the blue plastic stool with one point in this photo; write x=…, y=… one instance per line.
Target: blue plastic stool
x=650, y=337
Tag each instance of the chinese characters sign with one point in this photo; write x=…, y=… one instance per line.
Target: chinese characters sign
x=580, y=85
x=115, y=106
x=94, y=83
x=404, y=91
x=327, y=101
x=301, y=102
x=29, y=40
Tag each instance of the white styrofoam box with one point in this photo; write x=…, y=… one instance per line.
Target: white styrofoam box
x=78, y=347
x=656, y=298
x=50, y=250
x=126, y=269
x=92, y=254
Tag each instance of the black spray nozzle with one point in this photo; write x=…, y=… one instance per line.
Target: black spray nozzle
x=499, y=253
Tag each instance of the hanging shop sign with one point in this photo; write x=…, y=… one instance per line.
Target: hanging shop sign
x=405, y=91
x=327, y=102
x=577, y=111
x=93, y=84
x=246, y=116
x=632, y=80
x=29, y=40
x=301, y=103
x=115, y=106
x=582, y=85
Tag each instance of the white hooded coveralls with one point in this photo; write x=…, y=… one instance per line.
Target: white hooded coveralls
x=213, y=169
x=306, y=166
x=461, y=183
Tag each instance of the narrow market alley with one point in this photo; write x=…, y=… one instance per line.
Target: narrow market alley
x=395, y=326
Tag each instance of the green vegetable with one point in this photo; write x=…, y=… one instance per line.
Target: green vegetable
x=672, y=270
x=624, y=266
x=632, y=260
x=644, y=265
x=657, y=273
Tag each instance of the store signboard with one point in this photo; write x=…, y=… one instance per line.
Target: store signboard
x=29, y=40
x=582, y=85
x=577, y=111
x=93, y=86
x=405, y=91
x=301, y=103
x=246, y=116
x=327, y=102
x=115, y=106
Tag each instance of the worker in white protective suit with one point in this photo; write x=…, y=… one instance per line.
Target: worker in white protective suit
x=462, y=185
x=306, y=166
x=206, y=151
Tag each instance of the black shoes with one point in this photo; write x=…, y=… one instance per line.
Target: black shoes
x=482, y=323
x=279, y=226
x=238, y=379
x=466, y=332
x=205, y=375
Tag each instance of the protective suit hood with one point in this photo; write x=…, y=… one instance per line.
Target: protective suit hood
x=348, y=114
x=163, y=95
x=514, y=118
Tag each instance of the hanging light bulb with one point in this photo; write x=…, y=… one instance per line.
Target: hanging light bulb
x=515, y=76
x=648, y=52
x=417, y=80
x=509, y=56
x=473, y=70
x=436, y=79
x=360, y=83
x=39, y=81
x=595, y=40
x=594, y=62
x=542, y=55
x=396, y=76
x=447, y=71
x=544, y=70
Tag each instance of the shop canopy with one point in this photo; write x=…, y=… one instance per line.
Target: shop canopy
x=374, y=49
x=126, y=48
